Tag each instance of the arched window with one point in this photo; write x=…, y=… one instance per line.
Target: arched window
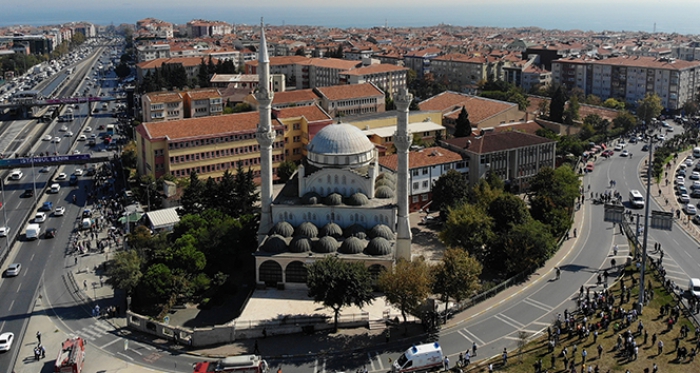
x=345, y=180
x=270, y=272
x=296, y=272
x=335, y=179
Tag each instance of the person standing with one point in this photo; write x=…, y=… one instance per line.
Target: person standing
x=38, y=336
x=505, y=356
x=473, y=348
x=446, y=363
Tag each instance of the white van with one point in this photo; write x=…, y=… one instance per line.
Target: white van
x=16, y=174
x=696, y=152
x=33, y=231
x=55, y=187
x=425, y=357
x=694, y=287
x=636, y=199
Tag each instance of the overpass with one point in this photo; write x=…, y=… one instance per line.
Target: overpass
x=12, y=163
x=24, y=103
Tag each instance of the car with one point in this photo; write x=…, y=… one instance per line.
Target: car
x=40, y=217
x=45, y=169
x=56, y=139
x=76, y=151
x=645, y=148
x=78, y=171
x=695, y=175
x=695, y=193
x=13, y=269
x=684, y=198
x=61, y=176
x=73, y=180
x=50, y=233
x=63, y=129
x=47, y=206
x=608, y=153
x=681, y=172
x=696, y=219
x=6, y=341
x=4, y=231
x=688, y=162
x=680, y=180
x=669, y=129
x=93, y=136
x=624, y=153
x=690, y=209
x=82, y=138
x=60, y=211
x=661, y=137
x=87, y=129
x=68, y=134
x=619, y=147
x=46, y=138
x=28, y=193
x=681, y=189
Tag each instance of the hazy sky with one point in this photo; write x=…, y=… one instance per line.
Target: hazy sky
x=669, y=15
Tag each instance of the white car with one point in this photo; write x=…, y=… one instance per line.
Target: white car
x=61, y=176
x=13, y=269
x=46, y=138
x=680, y=180
x=6, y=341
x=695, y=175
x=690, y=209
x=82, y=138
x=76, y=151
x=87, y=129
x=619, y=147
x=4, y=231
x=684, y=198
x=56, y=139
x=63, y=129
x=624, y=153
x=60, y=211
x=69, y=134
x=661, y=137
x=78, y=171
x=40, y=217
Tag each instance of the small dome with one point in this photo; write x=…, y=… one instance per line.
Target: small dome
x=384, y=192
x=357, y=199
x=378, y=246
x=333, y=199
x=300, y=244
x=311, y=198
x=381, y=230
x=274, y=244
x=283, y=229
x=387, y=176
x=306, y=229
x=352, y=245
x=354, y=231
x=331, y=229
x=385, y=182
x=325, y=245
x=340, y=138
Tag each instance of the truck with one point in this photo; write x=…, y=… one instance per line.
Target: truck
x=420, y=358
x=71, y=357
x=239, y=364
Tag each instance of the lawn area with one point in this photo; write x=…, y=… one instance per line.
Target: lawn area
x=611, y=359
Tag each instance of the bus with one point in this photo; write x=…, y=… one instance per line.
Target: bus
x=110, y=129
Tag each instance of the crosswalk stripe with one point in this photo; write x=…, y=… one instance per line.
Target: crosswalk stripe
x=537, y=304
x=474, y=337
x=510, y=321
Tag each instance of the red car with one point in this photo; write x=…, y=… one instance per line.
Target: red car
x=608, y=153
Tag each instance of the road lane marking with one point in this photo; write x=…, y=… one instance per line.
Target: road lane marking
x=540, y=305
x=110, y=343
x=12, y=304
x=19, y=287
x=379, y=360
x=474, y=337
x=126, y=356
x=323, y=366
x=136, y=352
x=510, y=321
x=32, y=258
x=315, y=366
x=371, y=361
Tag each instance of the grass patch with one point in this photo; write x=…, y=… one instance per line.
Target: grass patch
x=610, y=359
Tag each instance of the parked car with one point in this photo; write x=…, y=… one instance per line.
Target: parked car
x=13, y=269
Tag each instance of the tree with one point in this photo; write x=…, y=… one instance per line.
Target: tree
x=124, y=270
x=388, y=101
x=192, y=198
x=450, y=189
x=556, y=106
x=157, y=283
x=625, y=120
x=592, y=99
x=691, y=107
x=408, y=286
x=649, y=108
x=336, y=284
x=468, y=227
x=612, y=103
x=524, y=246
x=285, y=170
x=463, y=127
x=203, y=75
x=571, y=113
x=508, y=210
x=122, y=70
x=246, y=194
x=456, y=276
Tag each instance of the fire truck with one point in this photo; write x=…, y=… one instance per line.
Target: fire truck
x=70, y=358
x=238, y=364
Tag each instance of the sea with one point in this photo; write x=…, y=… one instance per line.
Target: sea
x=670, y=16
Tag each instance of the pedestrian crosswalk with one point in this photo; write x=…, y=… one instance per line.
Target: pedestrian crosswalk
x=94, y=331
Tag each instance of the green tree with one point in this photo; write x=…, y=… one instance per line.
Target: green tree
x=157, y=284
x=508, y=210
x=456, y=276
x=649, y=108
x=463, y=127
x=203, y=75
x=524, y=246
x=592, y=99
x=449, y=190
x=186, y=257
x=210, y=197
x=124, y=270
x=468, y=227
x=556, y=106
x=192, y=200
x=246, y=192
x=285, y=170
x=408, y=286
x=691, y=107
x=625, y=120
x=552, y=196
x=122, y=70
x=612, y=103
x=571, y=113
x=337, y=284
x=388, y=101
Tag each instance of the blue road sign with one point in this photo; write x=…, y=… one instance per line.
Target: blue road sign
x=38, y=161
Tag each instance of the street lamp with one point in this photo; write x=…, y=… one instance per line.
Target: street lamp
x=4, y=213
x=34, y=180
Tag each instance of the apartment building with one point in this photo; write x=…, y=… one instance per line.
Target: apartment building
x=158, y=28
x=513, y=156
x=321, y=72
x=426, y=130
x=351, y=99
x=483, y=112
x=300, y=124
x=303, y=97
x=389, y=78
x=162, y=106
x=280, y=65
x=527, y=74
x=202, y=103
x=631, y=78
x=191, y=65
x=246, y=81
x=207, y=145
x=425, y=168
x=421, y=61
x=200, y=28
x=149, y=52
x=461, y=70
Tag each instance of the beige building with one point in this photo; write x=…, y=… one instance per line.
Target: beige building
x=351, y=99
x=203, y=102
x=207, y=145
x=389, y=78
x=162, y=106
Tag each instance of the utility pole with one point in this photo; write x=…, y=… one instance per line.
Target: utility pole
x=646, y=226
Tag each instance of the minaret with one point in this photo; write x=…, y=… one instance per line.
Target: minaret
x=265, y=136
x=402, y=140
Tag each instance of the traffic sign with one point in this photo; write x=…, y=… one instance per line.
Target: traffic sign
x=613, y=213
x=40, y=161
x=661, y=220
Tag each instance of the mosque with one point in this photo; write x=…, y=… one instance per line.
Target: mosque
x=337, y=203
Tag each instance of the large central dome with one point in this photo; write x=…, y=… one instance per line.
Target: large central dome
x=340, y=145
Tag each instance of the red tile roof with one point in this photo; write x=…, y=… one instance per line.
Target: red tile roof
x=201, y=127
x=479, y=108
x=348, y=91
x=375, y=69
x=185, y=61
x=164, y=97
x=287, y=97
x=422, y=158
x=203, y=93
x=497, y=141
x=312, y=113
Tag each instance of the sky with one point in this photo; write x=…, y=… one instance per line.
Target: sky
x=679, y=16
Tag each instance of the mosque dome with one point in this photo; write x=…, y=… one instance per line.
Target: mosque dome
x=275, y=244
x=311, y=198
x=283, y=229
x=355, y=230
x=381, y=230
x=340, y=145
x=378, y=246
x=384, y=192
x=331, y=229
x=300, y=244
x=306, y=229
x=326, y=245
x=357, y=199
x=352, y=245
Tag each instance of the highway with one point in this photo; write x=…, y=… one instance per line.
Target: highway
x=40, y=256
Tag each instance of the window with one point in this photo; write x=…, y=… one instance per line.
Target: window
x=424, y=197
x=425, y=171
x=415, y=199
x=415, y=185
x=425, y=184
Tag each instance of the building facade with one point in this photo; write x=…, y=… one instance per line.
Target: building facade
x=162, y=106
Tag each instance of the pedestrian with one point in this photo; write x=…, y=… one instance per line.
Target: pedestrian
x=584, y=354
x=446, y=363
x=38, y=336
x=76, y=260
x=491, y=367
x=387, y=335
x=600, y=351
x=553, y=360
x=661, y=347
x=505, y=356
x=574, y=232
x=256, y=350
x=85, y=285
x=473, y=348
